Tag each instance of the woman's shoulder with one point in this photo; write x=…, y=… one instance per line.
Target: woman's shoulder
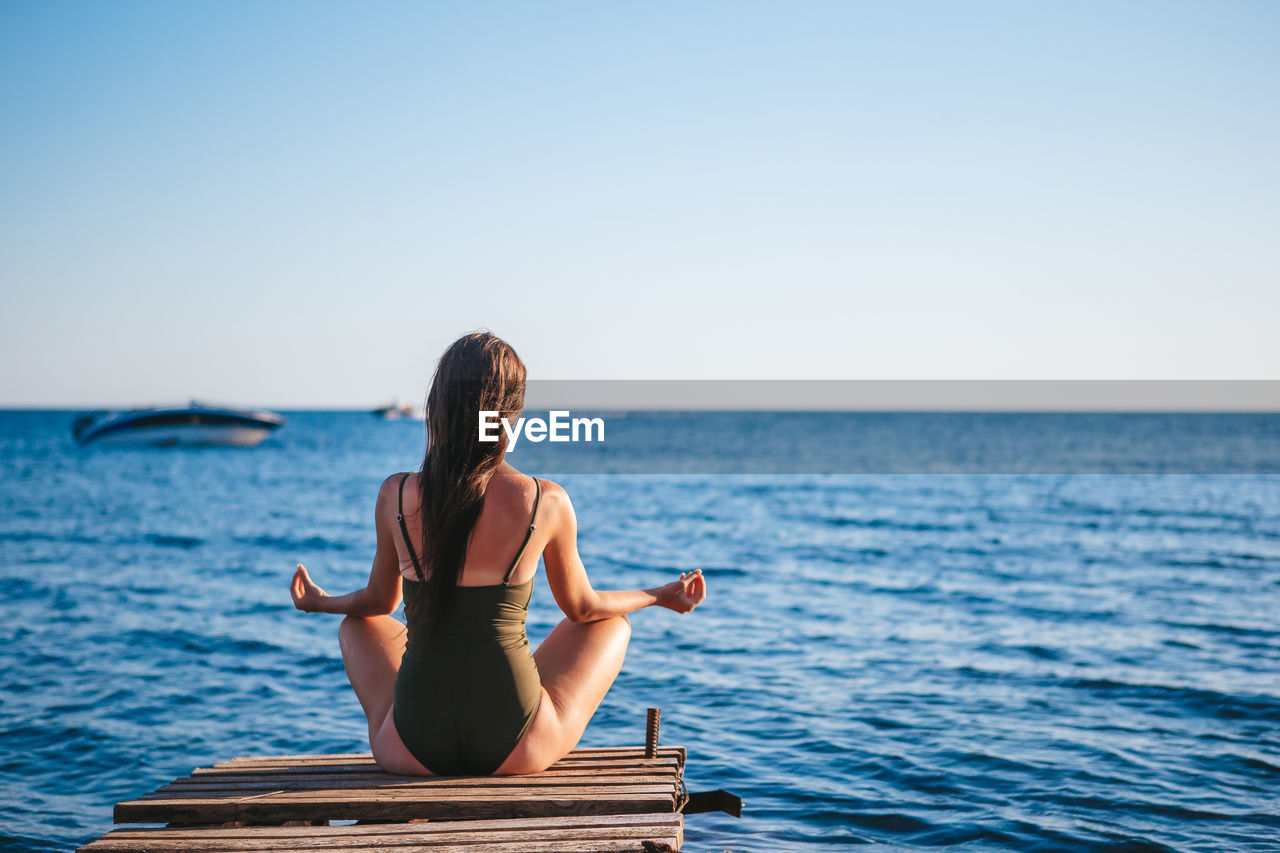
x=393, y=481
x=551, y=487
x=554, y=504
x=390, y=490
x=550, y=494
x=533, y=485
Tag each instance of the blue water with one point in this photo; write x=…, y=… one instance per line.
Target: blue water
x=1026, y=662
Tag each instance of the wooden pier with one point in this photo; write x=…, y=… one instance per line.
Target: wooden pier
x=609, y=799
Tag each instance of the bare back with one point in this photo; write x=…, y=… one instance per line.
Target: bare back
x=500, y=529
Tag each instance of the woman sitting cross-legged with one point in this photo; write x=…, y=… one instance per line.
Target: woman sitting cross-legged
x=456, y=690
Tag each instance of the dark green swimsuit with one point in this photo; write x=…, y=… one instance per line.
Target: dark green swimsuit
x=467, y=693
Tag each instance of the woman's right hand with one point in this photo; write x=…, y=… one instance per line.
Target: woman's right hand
x=307, y=595
x=684, y=594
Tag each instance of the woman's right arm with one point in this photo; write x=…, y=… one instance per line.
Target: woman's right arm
x=381, y=595
x=572, y=589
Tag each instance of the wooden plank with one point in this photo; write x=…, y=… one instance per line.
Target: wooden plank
x=408, y=795
x=564, y=768
x=317, y=806
x=374, y=779
x=183, y=788
x=498, y=824
x=581, y=843
x=628, y=751
x=601, y=832
x=228, y=839
x=584, y=754
x=225, y=838
x=349, y=786
x=363, y=794
x=577, y=769
x=462, y=792
x=304, y=845
x=550, y=786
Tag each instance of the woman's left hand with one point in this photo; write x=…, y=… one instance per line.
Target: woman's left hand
x=307, y=595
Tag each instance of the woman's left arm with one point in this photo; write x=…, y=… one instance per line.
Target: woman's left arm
x=380, y=596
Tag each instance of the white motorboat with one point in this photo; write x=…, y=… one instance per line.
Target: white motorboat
x=192, y=425
x=400, y=412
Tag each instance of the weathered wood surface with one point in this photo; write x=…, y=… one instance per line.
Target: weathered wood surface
x=529, y=835
x=607, y=781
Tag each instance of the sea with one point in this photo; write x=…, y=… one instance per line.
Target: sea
x=922, y=630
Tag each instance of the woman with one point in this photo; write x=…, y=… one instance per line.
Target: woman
x=456, y=691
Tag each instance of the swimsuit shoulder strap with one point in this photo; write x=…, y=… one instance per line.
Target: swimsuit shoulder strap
x=528, y=533
x=404, y=530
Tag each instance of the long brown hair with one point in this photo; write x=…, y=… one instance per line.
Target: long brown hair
x=478, y=372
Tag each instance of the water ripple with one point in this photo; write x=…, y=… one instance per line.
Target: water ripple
x=1022, y=663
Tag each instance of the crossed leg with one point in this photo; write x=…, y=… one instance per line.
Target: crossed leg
x=577, y=662
x=371, y=651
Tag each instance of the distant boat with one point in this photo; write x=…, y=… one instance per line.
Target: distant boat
x=399, y=412
x=192, y=425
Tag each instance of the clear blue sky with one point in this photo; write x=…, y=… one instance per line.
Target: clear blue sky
x=292, y=203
